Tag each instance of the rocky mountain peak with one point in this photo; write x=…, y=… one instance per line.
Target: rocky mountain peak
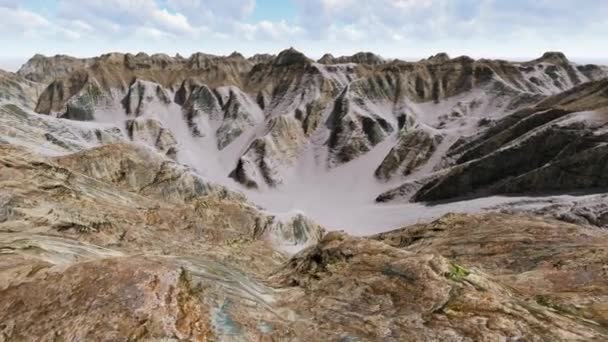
x=441, y=57
x=236, y=55
x=554, y=57
x=358, y=58
x=291, y=56
x=261, y=58
x=327, y=58
x=113, y=57
x=45, y=69
x=366, y=58
x=201, y=56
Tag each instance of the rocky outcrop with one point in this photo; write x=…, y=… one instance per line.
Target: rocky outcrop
x=42, y=69
x=201, y=107
x=441, y=57
x=21, y=127
x=557, y=265
x=240, y=114
x=368, y=58
x=312, y=295
x=152, y=133
x=141, y=94
x=55, y=98
x=261, y=58
x=414, y=148
x=536, y=150
x=589, y=210
x=290, y=57
x=279, y=148
x=445, y=300
x=18, y=90
x=294, y=234
x=356, y=127
x=161, y=296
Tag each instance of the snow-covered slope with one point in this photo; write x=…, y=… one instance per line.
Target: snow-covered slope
x=326, y=139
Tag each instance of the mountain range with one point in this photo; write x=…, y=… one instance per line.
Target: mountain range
x=201, y=198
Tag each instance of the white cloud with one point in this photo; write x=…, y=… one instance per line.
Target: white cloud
x=122, y=16
x=151, y=33
x=213, y=9
x=171, y=22
x=428, y=22
x=10, y=3
x=17, y=20
x=267, y=30
x=393, y=28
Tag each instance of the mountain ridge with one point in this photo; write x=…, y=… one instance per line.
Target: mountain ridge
x=256, y=121
x=223, y=198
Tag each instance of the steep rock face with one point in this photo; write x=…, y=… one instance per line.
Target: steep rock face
x=265, y=157
x=240, y=114
x=586, y=169
x=538, y=150
x=141, y=94
x=152, y=133
x=553, y=70
x=531, y=163
x=414, y=148
x=357, y=124
x=201, y=107
x=430, y=79
x=440, y=77
x=120, y=71
x=55, y=97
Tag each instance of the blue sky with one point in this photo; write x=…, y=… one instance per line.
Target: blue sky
x=392, y=28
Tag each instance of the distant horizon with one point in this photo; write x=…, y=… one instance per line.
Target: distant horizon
x=392, y=28
x=13, y=64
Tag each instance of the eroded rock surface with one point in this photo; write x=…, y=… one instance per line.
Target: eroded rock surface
x=106, y=234
x=345, y=106
x=558, y=265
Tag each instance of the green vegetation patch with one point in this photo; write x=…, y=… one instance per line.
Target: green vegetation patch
x=457, y=273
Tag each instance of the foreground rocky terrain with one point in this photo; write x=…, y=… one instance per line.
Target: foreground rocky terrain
x=89, y=251
x=142, y=198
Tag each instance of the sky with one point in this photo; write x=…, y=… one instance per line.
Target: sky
x=512, y=29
